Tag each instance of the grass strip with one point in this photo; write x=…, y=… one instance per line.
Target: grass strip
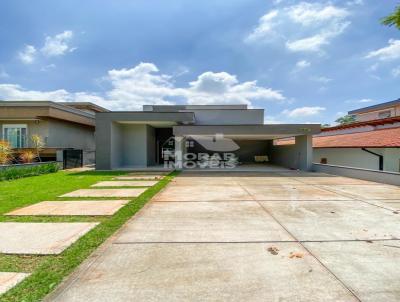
x=53, y=270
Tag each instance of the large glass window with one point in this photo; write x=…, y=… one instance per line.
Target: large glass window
x=16, y=135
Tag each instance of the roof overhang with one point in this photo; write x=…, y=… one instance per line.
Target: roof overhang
x=31, y=110
x=249, y=132
x=155, y=119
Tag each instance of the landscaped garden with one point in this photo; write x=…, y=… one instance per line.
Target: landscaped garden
x=47, y=271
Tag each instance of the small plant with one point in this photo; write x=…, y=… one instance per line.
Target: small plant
x=5, y=152
x=27, y=157
x=38, y=144
x=20, y=172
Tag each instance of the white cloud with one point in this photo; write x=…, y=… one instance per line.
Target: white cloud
x=396, y=72
x=28, y=54
x=303, y=111
x=316, y=42
x=302, y=64
x=307, y=26
x=390, y=52
x=365, y=101
x=58, y=45
x=144, y=84
x=306, y=13
x=265, y=28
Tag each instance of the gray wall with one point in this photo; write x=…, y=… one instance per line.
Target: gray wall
x=151, y=146
x=58, y=134
x=229, y=117
x=297, y=156
x=127, y=145
x=390, y=178
x=69, y=135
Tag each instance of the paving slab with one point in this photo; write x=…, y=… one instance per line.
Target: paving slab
x=78, y=207
x=139, y=177
x=128, y=183
x=105, y=193
x=154, y=173
x=8, y=280
x=367, y=191
x=202, y=272
x=203, y=222
x=370, y=269
x=292, y=192
x=202, y=193
x=335, y=220
x=40, y=238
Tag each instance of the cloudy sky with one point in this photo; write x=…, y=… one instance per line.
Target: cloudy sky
x=301, y=61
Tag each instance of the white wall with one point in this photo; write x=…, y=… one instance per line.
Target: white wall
x=356, y=157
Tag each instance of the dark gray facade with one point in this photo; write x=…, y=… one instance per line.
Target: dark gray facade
x=131, y=139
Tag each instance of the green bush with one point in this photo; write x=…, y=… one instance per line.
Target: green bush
x=14, y=172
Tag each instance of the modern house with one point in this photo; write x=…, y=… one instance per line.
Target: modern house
x=61, y=126
x=186, y=133
x=375, y=112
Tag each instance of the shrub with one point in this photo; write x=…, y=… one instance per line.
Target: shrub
x=5, y=152
x=14, y=172
x=27, y=156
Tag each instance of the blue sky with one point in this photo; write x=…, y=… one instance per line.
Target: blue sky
x=301, y=61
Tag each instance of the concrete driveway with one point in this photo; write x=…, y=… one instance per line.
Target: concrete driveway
x=251, y=237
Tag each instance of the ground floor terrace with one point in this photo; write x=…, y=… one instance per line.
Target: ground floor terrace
x=251, y=236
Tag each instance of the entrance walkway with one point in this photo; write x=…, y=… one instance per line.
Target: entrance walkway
x=248, y=236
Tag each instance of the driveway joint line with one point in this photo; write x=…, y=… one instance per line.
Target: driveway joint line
x=348, y=195
x=304, y=247
x=259, y=241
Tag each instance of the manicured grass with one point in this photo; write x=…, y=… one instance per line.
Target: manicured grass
x=49, y=271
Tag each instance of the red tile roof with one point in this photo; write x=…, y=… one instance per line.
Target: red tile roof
x=378, y=122
x=370, y=139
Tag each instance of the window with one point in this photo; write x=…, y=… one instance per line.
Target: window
x=16, y=135
x=384, y=114
x=324, y=160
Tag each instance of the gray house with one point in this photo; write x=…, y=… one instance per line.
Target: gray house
x=186, y=133
x=61, y=125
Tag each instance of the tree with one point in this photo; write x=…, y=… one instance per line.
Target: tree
x=393, y=19
x=38, y=144
x=344, y=120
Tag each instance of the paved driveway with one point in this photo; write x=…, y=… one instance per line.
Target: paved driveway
x=251, y=237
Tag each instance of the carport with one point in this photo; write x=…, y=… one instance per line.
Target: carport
x=249, y=141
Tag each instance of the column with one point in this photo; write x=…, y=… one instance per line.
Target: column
x=180, y=149
x=304, y=152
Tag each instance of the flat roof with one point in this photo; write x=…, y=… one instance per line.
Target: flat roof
x=171, y=108
x=375, y=107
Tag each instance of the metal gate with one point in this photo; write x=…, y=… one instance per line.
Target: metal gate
x=72, y=158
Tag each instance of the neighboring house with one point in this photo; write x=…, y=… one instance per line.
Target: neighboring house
x=370, y=145
x=380, y=111
x=145, y=138
x=61, y=126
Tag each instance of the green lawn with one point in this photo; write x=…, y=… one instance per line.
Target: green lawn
x=48, y=271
